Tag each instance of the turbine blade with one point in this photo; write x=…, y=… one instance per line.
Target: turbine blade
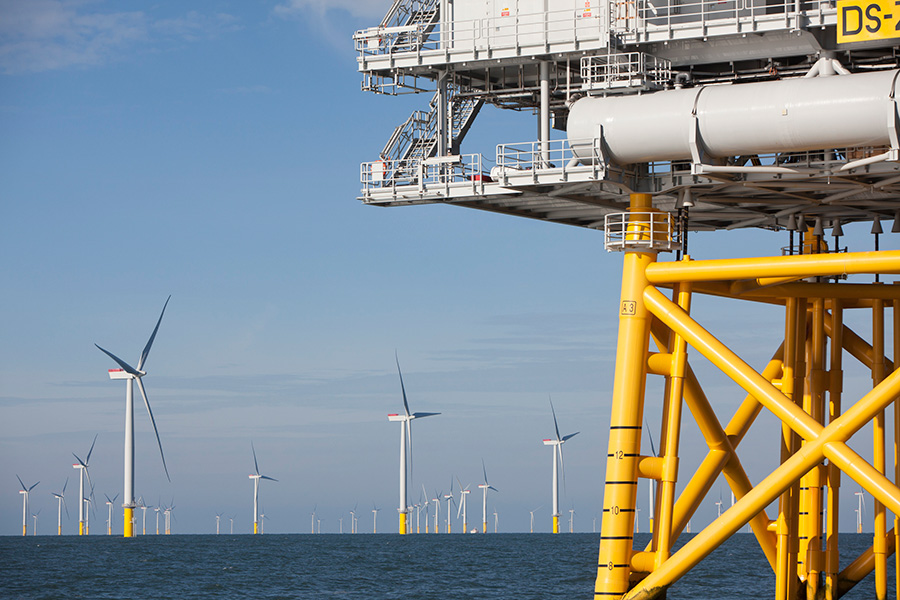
x=562, y=467
x=408, y=425
x=153, y=421
x=108, y=499
x=422, y=415
x=146, y=351
x=402, y=387
x=128, y=368
x=555, y=424
x=34, y=486
x=22, y=483
x=484, y=470
x=63, y=493
x=459, y=511
x=650, y=435
x=267, y=477
x=255, y=464
x=114, y=497
x=571, y=435
x=87, y=460
x=65, y=506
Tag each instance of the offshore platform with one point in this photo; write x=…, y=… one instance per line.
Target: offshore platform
x=681, y=116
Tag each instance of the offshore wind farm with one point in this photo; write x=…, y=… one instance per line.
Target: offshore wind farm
x=235, y=156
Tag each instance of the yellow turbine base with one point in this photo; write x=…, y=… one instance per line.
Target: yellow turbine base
x=402, y=523
x=80, y=527
x=128, y=525
x=555, y=524
x=255, y=528
x=484, y=527
x=59, y=530
x=24, y=530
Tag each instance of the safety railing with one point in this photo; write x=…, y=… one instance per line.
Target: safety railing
x=653, y=231
x=628, y=70
x=534, y=159
x=647, y=15
x=431, y=175
x=509, y=30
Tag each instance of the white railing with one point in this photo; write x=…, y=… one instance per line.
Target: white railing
x=431, y=175
x=653, y=231
x=512, y=31
x=590, y=25
x=625, y=70
x=534, y=158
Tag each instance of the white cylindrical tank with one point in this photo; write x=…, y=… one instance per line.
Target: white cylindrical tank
x=789, y=115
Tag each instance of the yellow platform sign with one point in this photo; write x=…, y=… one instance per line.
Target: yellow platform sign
x=864, y=20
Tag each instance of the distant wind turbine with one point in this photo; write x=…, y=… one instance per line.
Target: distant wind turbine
x=130, y=375
x=463, y=493
x=312, y=520
x=375, y=510
x=406, y=462
x=437, y=509
x=557, y=465
x=859, y=510
x=256, y=477
x=495, y=519
x=156, y=510
x=60, y=503
x=35, y=517
x=25, y=491
x=82, y=466
x=571, y=520
x=532, y=516
x=109, y=503
x=484, y=487
x=450, y=500
x=218, y=516
x=143, y=506
x=651, y=484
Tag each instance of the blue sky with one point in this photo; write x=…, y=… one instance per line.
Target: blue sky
x=213, y=154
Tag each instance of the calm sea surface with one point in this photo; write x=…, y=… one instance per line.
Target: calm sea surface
x=501, y=567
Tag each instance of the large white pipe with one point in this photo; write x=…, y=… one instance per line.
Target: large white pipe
x=789, y=115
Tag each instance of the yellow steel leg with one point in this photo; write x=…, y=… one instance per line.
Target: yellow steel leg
x=255, y=528
x=785, y=524
x=555, y=523
x=128, y=523
x=878, y=454
x=619, y=496
x=896, y=316
x=402, y=523
x=832, y=561
x=80, y=527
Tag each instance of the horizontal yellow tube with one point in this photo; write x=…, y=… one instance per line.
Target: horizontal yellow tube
x=812, y=265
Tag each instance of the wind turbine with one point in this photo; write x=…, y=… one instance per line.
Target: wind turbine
x=353, y=518
x=532, y=516
x=651, y=484
x=83, y=472
x=25, y=491
x=571, y=520
x=449, y=498
x=406, y=464
x=35, y=516
x=463, y=493
x=859, y=511
x=312, y=519
x=143, y=507
x=484, y=487
x=256, y=477
x=156, y=510
x=495, y=519
x=60, y=503
x=218, y=516
x=231, y=519
x=557, y=465
x=437, y=509
x=130, y=375
x=109, y=503
x=375, y=510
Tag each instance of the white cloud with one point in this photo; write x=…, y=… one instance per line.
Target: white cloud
x=367, y=10
x=42, y=35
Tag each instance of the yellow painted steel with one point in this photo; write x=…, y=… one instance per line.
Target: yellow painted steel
x=878, y=454
x=128, y=523
x=80, y=527
x=619, y=498
x=832, y=533
x=555, y=523
x=255, y=528
x=896, y=331
x=402, y=523
x=24, y=530
x=812, y=265
x=484, y=527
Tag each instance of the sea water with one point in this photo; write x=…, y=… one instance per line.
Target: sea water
x=383, y=566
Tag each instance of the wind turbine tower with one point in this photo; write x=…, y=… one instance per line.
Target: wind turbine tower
x=130, y=374
x=463, y=494
x=25, y=491
x=484, y=487
x=109, y=504
x=557, y=465
x=256, y=477
x=83, y=472
x=60, y=503
x=406, y=462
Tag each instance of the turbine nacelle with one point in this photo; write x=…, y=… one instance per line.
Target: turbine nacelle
x=123, y=374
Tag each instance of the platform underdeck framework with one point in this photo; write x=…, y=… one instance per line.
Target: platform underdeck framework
x=684, y=116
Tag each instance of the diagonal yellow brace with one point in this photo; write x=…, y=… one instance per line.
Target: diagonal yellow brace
x=654, y=585
x=789, y=413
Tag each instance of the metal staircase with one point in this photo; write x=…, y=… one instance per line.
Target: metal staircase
x=417, y=138
x=412, y=20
